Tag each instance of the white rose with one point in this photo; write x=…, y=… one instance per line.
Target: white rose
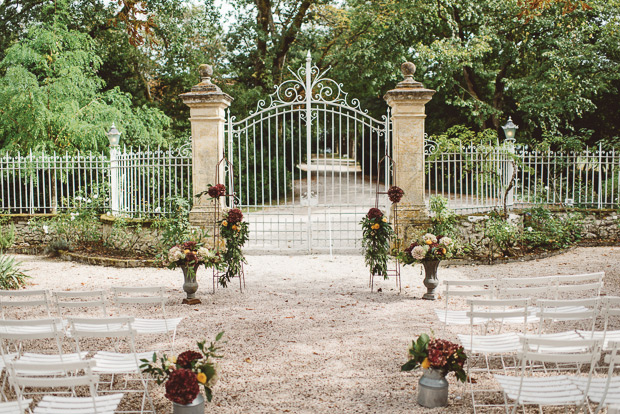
x=418, y=252
x=446, y=241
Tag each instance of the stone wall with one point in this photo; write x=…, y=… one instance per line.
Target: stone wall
x=140, y=237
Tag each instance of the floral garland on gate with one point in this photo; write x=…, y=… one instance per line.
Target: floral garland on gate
x=376, y=234
x=235, y=232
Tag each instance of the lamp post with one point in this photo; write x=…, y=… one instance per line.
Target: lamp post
x=114, y=137
x=510, y=130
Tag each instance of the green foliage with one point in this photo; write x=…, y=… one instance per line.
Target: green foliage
x=436, y=354
x=7, y=233
x=11, y=276
x=175, y=228
x=125, y=234
x=502, y=235
x=377, y=233
x=443, y=219
x=418, y=352
x=544, y=229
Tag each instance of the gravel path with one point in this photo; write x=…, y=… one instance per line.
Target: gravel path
x=307, y=335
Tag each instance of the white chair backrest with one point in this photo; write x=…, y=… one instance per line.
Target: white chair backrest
x=551, y=310
x=14, y=301
x=69, y=300
x=499, y=311
x=148, y=295
x=27, y=374
x=16, y=332
x=114, y=327
x=610, y=308
x=589, y=284
x=527, y=287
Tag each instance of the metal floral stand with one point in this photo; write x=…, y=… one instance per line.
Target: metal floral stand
x=395, y=271
x=231, y=202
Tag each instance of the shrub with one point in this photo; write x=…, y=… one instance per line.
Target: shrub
x=11, y=276
x=544, y=229
x=7, y=233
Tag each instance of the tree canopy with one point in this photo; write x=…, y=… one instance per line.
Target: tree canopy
x=71, y=67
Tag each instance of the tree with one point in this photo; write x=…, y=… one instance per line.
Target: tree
x=51, y=97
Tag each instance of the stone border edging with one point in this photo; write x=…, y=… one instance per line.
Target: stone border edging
x=106, y=261
x=504, y=260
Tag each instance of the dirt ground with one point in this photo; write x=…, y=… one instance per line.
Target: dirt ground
x=307, y=335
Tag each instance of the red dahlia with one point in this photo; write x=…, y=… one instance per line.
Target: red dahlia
x=186, y=358
x=182, y=386
x=216, y=191
x=374, y=213
x=395, y=194
x=235, y=216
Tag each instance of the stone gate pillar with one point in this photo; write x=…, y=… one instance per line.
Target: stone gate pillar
x=207, y=105
x=408, y=102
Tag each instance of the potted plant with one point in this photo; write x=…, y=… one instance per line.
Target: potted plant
x=429, y=251
x=437, y=357
x=183, y=375
x=189, y=256
x=376, y=234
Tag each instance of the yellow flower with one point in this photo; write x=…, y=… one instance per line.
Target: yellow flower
x=429, y=242
x=186, y=251
x=172, y=359
x=202, y=378
x=426, y=363
x=234, y=227
x=384, y=220
x=375, y=226
x=224, y=223
x=444, y=251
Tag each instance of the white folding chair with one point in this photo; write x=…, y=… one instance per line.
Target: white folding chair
x=535, y=387
x=126, y=364
x=610, y=309
x=463, y=289
x=154, y=297
x=25, y=301
x=491, y=314
x=74, y=374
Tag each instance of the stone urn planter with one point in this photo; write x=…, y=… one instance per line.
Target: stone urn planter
x=190, y=284
x=433, y=388
x=430, y=278
x=195, y=407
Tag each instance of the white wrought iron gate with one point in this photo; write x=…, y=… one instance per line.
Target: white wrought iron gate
x=305, y=165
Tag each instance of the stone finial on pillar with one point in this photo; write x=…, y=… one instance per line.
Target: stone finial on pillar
x=207, y=105
x=408, y=102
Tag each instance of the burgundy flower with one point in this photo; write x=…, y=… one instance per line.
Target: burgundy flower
x=235, y=216
x=186, y=358
x=182, y=386
x=395, y=194
x=216, y=191
x=374, y=213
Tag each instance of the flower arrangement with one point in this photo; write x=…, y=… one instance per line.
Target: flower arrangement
x=437, y=354
x=376, y=234
x=191, y=254
x=395, y=194
x=429, y=247
x=235, y=232
x=184, y=374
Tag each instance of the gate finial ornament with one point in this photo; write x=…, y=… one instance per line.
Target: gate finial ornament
x=205, y=85
x=408, y=69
